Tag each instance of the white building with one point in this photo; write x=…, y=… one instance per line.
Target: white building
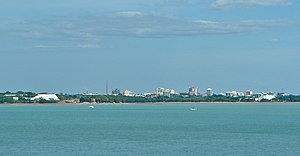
x=193, y=91
x=172, y=91
x=231, y=94
x=209, y=92
x=128, y=93
x=248, y=93
x=240, y=94
x=160, y=91
x=47, y=97
x=167, y=92
x=266, y=96
x=222, y=94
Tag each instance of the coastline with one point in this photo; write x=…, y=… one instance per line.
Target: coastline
x=151, y=103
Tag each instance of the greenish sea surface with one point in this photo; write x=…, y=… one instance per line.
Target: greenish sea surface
x=226, y=129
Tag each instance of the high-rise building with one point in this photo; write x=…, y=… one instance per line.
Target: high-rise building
x=172, y=91
x=116, y=92
x=209, y=92
x=128, y=93
x=160, y=91
x=240, y=94
x=193, y=91
x=167, y=92
x=248, y=93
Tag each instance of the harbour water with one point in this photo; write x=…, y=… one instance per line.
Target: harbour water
x=227, y=129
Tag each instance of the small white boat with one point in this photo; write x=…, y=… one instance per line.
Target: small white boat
x=193, y=109
x=91, y=107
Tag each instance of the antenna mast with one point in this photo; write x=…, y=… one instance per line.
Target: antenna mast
x=106, y=87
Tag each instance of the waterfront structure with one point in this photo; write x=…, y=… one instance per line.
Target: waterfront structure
x=47, y=97
x=209, y=92
x=193, y=91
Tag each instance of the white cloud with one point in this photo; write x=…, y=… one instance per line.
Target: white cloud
x=278, y=23
x=137, y=24
x=42, y=46
x=177, y=2
x=129, y=13
x=205, y=22
x=274, y=40
x=89, y=46
x=82, y=46
x=248, y=3
x=32, y=34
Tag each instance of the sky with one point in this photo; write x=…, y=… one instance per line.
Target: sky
x=71, y=46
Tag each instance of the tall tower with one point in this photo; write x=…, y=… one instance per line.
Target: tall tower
x=106, y=87
x=193, y=91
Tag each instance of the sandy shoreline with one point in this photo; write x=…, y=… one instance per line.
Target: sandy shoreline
x=149, y=103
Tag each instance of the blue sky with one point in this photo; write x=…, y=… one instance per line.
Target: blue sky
x=73, y=45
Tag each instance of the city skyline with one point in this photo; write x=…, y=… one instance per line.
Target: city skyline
x=70, y=46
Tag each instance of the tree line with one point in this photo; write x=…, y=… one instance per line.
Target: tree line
x=24, y=97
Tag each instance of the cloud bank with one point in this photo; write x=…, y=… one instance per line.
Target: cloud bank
x=176, y=2
x=248, y=3
x=137, y=24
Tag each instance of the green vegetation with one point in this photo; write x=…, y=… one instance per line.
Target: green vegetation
x=291, y=98
x=4, y=99
x=18, y=97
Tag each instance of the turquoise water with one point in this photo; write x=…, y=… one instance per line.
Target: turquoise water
x=150, y=130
